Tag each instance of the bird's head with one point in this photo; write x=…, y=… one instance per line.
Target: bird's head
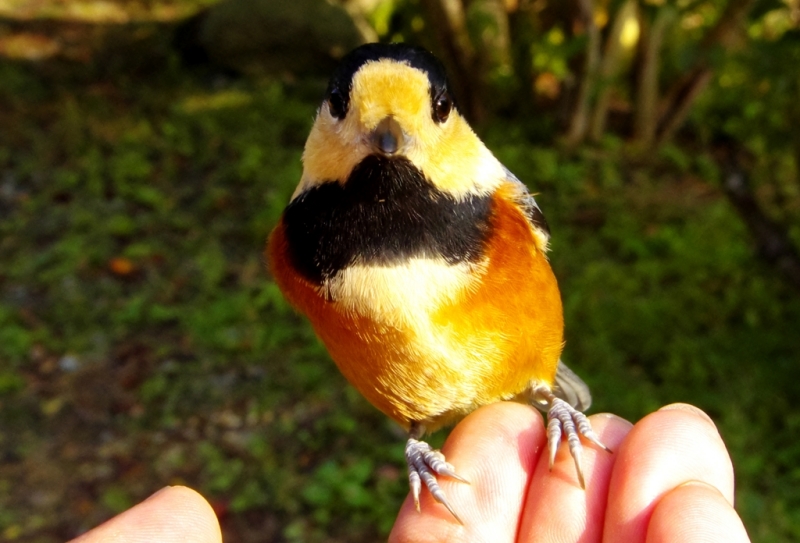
x=394, y=101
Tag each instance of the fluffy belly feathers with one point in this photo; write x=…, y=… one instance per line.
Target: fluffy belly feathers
x=428, y=341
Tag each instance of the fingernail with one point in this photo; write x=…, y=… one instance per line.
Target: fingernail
x=688, y=408
x=612, y=416
x=701, y=484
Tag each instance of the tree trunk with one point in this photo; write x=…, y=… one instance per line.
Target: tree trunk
x=521, y=34
x=681, y=96
x=579, y=123
x=610, y=67
x=449, y=18
x=645, y=120
x=492, y=47
x=358, y=13
x=673, y=118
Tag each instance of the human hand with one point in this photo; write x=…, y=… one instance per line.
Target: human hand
x=669, y=479
x=172, y=514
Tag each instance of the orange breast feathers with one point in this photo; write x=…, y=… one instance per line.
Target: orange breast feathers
x=427, y=341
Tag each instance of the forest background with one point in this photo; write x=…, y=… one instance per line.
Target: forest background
x=147, y=148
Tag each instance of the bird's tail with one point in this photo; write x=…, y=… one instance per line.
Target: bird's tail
x=571, y=388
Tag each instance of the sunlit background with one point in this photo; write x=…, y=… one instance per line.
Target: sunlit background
x=147, y=148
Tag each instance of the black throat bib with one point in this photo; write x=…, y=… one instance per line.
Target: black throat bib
x=385, y=213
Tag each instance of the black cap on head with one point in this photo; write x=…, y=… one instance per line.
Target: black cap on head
x=416, y=57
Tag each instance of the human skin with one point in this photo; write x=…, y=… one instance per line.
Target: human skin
x=669, y=479
x=171, y=515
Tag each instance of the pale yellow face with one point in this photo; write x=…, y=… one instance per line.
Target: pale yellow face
x=448, y=153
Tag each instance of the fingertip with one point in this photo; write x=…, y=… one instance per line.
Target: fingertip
x=689, y=408
x=174, y=513
x=495, y=448
x=611, y=429
x=557, y=508
x=179, y=494
x=195, y=508
x=695, y=512
x=663, y=450
x=683, y=437
x=488, y=428
x=615, y=419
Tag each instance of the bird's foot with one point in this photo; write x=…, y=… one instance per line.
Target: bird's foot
x=563, y=419
x=424, y=463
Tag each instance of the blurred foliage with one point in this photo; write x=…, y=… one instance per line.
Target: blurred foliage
x=143, y=344
x=260, y=36
x=754, y=102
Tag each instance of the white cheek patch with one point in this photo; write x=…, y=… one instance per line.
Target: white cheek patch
x=403, y=295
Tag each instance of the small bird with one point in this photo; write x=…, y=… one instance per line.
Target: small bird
x=420, y=261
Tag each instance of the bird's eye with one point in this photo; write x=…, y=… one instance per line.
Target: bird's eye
x=336, y=104
x=442, y=106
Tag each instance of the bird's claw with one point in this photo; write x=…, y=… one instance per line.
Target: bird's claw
x=424, y=463
x=562, y=418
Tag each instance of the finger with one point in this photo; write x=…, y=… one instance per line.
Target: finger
x=557, y=508
x=495, y=449
x=172, y=514
x=667, y=448
x=695, y=513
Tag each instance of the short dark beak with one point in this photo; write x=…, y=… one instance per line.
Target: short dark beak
x=388, y=138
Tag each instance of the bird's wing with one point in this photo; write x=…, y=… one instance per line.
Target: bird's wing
x=571, y=388
x=532, y=210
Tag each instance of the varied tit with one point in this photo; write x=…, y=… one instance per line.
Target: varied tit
x=420, y=260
